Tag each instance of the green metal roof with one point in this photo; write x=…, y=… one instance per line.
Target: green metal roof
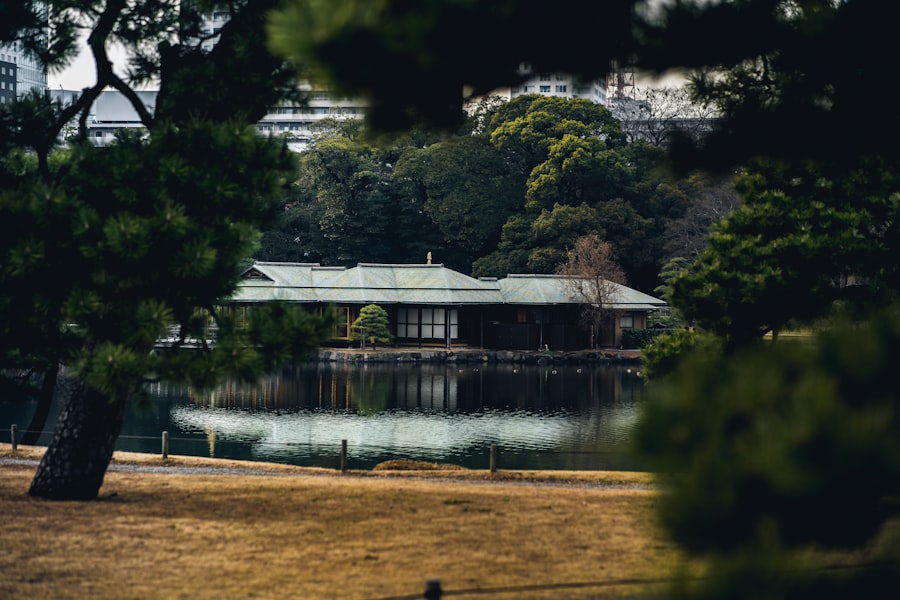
x=558, y=289
x=364, y=284
x=412, y=284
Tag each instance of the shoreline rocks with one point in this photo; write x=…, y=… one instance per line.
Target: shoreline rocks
x=393, y=355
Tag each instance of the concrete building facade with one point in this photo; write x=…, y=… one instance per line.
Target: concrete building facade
x=295, y=122
x=20, y=72
x=8, y=75
x=559, y=85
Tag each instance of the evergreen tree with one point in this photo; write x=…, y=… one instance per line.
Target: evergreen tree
x=107, y=250
x=372, y=325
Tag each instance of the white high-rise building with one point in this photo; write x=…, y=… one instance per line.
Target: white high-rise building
x=20, y=71
x=560, y=85
x=296, y=123
x=9, y=73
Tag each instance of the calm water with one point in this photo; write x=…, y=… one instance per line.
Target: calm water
x=548, y=417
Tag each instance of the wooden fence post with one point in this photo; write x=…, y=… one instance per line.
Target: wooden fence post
x=493, y=458
x=165, y=445
x=343, y=456
x=14, y=434
x=433, y=589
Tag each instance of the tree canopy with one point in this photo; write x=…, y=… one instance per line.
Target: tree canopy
x=509, y=192
x=371, y=326
x=592, y=278
x=115, y=248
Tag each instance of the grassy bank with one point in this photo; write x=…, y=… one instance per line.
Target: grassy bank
x=291, y=532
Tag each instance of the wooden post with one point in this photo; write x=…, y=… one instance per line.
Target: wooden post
x=493, y=458
x=165, y=445
x=433, y=589
x=14, y=434
x=343, y=456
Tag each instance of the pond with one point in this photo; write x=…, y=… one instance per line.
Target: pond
x=539, y=416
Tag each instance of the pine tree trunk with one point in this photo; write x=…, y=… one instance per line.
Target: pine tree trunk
x=82, y=446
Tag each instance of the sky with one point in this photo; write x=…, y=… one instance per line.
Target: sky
x=80, y=73
x=77, y=76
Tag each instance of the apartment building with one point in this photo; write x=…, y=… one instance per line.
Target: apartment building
x=20, y=72
x=559, y=85
x=296, y=123
x=8, y=75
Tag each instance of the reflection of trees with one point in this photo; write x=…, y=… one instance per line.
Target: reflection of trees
x=267, y=393
x=468, y=388
x=558, y=416
x=370, y=393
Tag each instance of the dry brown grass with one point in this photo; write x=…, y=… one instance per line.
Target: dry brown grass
x=316, y=534
x=401, y=464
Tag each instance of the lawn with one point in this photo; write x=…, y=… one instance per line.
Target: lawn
x=303, y=533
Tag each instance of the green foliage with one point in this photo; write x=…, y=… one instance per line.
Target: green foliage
x=781, y=447
x=130, y=257
x=106, y=250
x=790, y=251
x=641, y=338
x=791, y=104
x=579, y=179
x=670, y=272
x=371, y=324
x=666, y=353
x=468, y=189
x=511, y=197
x=352, y=207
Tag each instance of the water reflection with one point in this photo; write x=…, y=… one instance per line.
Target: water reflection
x=562, y=417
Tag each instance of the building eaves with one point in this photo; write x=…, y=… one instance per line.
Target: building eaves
x=375, y=283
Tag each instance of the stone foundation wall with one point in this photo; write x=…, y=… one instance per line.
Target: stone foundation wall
x=479, y=356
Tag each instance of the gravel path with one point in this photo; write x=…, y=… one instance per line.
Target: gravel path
x=262, y=472
x=174, y=470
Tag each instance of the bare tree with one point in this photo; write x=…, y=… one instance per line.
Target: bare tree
x=687, y=235
x=656, y=114
x=592, y=277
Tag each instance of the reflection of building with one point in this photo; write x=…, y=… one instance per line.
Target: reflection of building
x=434, y=305
x=427, y=411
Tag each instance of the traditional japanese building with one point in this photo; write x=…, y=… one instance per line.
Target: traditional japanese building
x=432, y=305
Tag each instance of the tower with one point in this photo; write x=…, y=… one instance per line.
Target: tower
x=620, y=83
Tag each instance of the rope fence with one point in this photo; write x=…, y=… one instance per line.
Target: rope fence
x=166, y=442
x=434, y=591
